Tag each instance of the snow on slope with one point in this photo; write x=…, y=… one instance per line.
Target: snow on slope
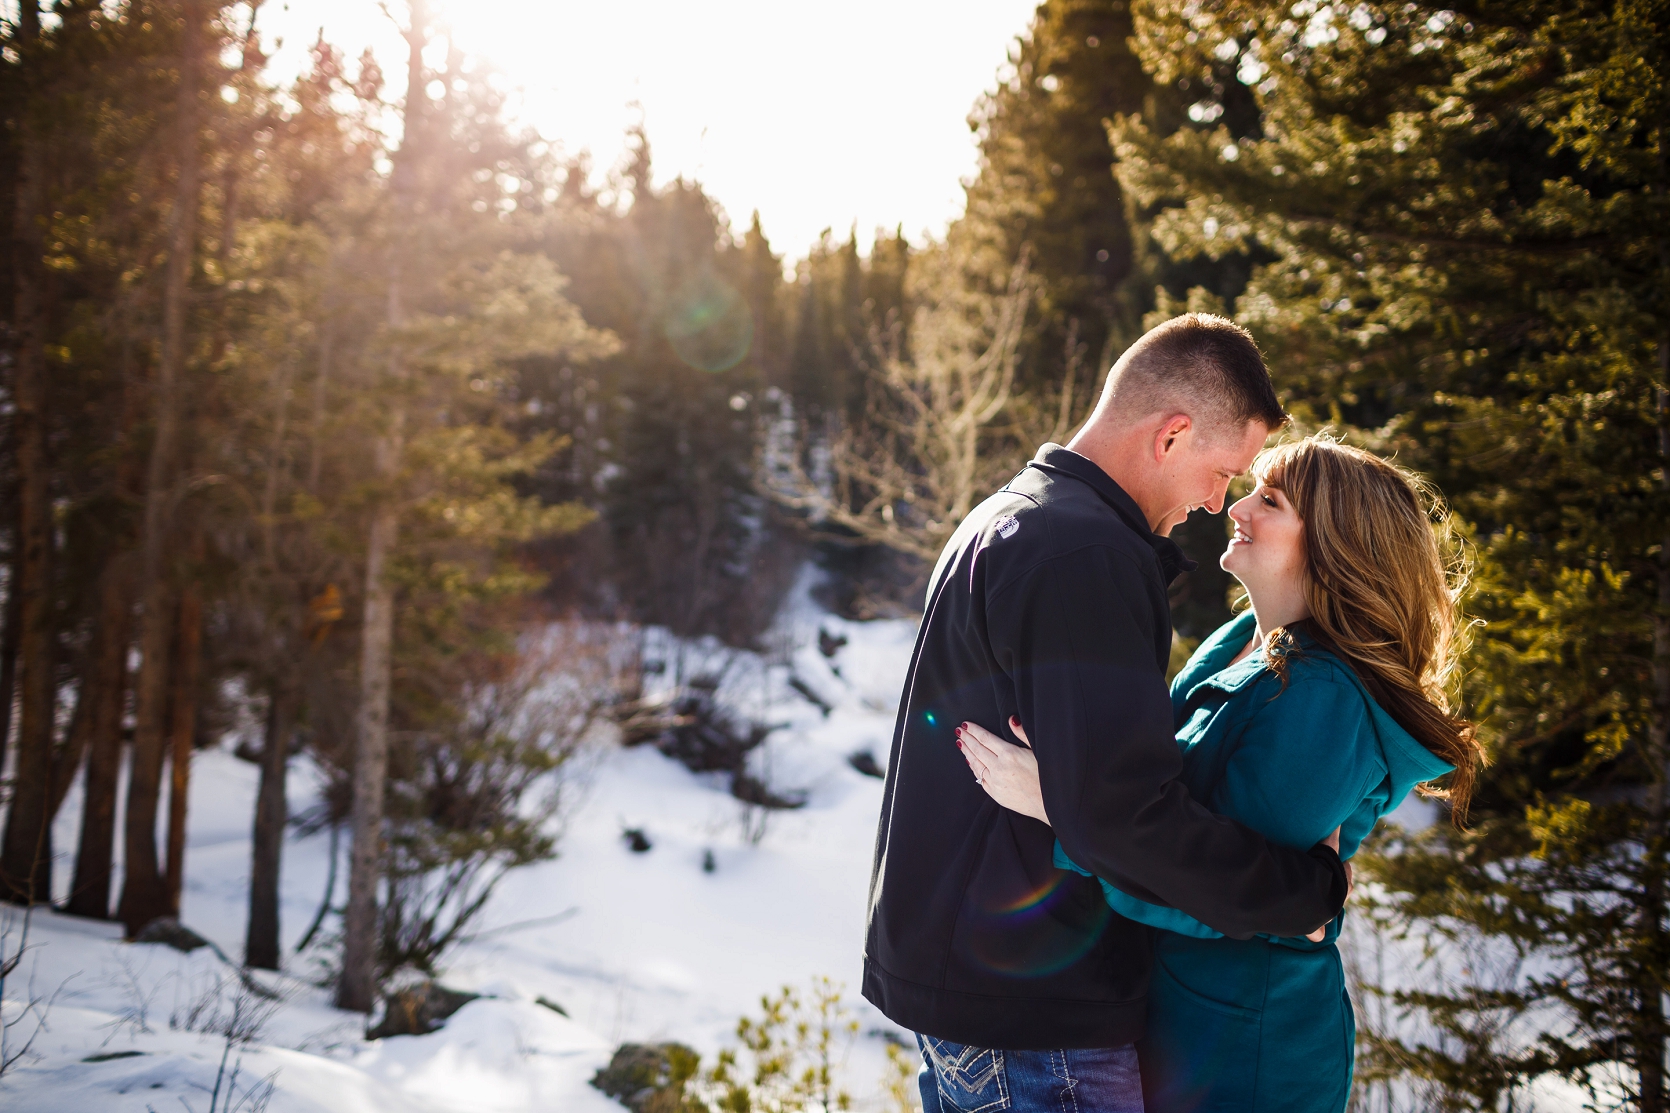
x=634, y=946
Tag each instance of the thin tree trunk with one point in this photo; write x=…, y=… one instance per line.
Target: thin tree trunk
x=101, y=670
x=8, y=655
x=229, y=198
x=144, y=892
x=1653, y=1025
x=66, y=759
x=261, y=947
x=320, y=382
x=26, y=855
x=228, y=233
x=359, y=943
x=357, y=988
x=105, y=683
x=275, y=465
x=103, y=690
x=182, y=704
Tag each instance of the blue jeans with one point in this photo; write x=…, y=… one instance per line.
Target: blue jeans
x=959, y=1079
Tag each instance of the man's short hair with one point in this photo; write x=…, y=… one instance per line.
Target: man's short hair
x=1197, y=364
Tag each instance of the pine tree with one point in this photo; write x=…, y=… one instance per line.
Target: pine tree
x=1464, y=213
x=26, y=857
x=282, y=593
x=144, y=891
x=666, y=431
x=113, y=95
x=454, y=329
x=109, y=91
x=356, y=986
x=1045, y=181
x=237, y=238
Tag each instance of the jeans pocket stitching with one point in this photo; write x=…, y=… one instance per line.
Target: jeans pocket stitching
x=955, y=1068
x=1069, y=1098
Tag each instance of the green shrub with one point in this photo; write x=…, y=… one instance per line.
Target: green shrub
x=791, y=1059
x=650, y=1078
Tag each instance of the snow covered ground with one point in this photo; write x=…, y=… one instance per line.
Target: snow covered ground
x=634, y=946
x=640, y=947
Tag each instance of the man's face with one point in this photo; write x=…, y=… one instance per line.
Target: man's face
x=1195, y=471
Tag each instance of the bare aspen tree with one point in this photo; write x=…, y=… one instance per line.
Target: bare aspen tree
x=923, y=457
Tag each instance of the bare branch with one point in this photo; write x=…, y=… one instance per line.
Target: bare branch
x=931, y=443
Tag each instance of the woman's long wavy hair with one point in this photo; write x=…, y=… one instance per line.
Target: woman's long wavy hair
x=1380, y=594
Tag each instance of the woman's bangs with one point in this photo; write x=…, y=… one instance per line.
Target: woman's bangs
x=1270, y=466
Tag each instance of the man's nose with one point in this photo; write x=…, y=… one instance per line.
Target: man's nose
x=1216, y=502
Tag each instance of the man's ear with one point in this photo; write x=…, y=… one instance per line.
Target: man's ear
x=1170, y=432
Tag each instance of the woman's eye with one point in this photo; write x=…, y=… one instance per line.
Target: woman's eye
x=1270, y=502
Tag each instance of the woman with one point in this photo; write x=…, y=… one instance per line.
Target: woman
x=1318, y=709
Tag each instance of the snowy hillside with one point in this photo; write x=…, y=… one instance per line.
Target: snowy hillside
x=633, y=946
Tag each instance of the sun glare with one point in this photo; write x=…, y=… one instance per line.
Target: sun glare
x=817, y=117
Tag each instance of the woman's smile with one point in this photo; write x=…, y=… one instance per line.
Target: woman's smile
x=1273, y=576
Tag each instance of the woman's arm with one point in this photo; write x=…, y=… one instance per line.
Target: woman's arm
x=1170, y=919
x=1009, y=774
x=1154, y=915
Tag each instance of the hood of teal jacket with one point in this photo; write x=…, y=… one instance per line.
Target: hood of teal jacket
x=1408, y=763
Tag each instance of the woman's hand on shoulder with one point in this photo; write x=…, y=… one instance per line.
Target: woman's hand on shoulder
x=1007, y=772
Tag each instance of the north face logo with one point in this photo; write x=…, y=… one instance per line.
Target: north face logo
x=1007, y=525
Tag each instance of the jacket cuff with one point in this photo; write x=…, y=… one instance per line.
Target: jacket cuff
x=1061, y=861
x=1339, y=886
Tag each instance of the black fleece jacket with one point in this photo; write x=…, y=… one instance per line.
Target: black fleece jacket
x=1050, y=603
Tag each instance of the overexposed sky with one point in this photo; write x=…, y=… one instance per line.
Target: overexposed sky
x=817, y=115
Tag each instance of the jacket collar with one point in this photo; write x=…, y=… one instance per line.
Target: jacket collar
x=1055, y=460
x=1210, y=666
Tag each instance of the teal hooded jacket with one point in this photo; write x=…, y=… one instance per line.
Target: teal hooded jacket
x=1264, y=1024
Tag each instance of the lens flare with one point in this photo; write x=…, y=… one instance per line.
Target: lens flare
x=1028, y=901
x=1038, y=933
x=708, y=324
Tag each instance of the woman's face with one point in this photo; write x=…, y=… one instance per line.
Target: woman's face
x=1267, y=552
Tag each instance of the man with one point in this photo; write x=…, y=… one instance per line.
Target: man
x=1050, y=604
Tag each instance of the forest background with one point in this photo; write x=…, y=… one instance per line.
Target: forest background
x=303, y=417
